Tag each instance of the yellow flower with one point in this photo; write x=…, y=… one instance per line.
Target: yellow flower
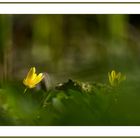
x=32, y=78
x=115, y=78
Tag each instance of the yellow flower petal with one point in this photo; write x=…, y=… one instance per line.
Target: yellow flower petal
x=113, y=74
x=32, y=78
x=31, y=86
x=25, y=82
x=115, y=78
x=110, y=78
x=38, y=78
x=30, y=73
x=118, y=76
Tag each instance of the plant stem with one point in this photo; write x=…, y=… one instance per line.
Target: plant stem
x=25, y=90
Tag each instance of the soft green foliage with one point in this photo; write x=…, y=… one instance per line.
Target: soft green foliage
x=69, y=103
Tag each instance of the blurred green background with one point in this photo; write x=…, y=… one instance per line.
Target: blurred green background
x=80, y=47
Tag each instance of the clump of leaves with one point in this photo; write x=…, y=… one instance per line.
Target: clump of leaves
x=69, y=103
x=77, y=103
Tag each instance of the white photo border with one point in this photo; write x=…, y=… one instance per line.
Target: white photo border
x=67, y=131
x=49, y=8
